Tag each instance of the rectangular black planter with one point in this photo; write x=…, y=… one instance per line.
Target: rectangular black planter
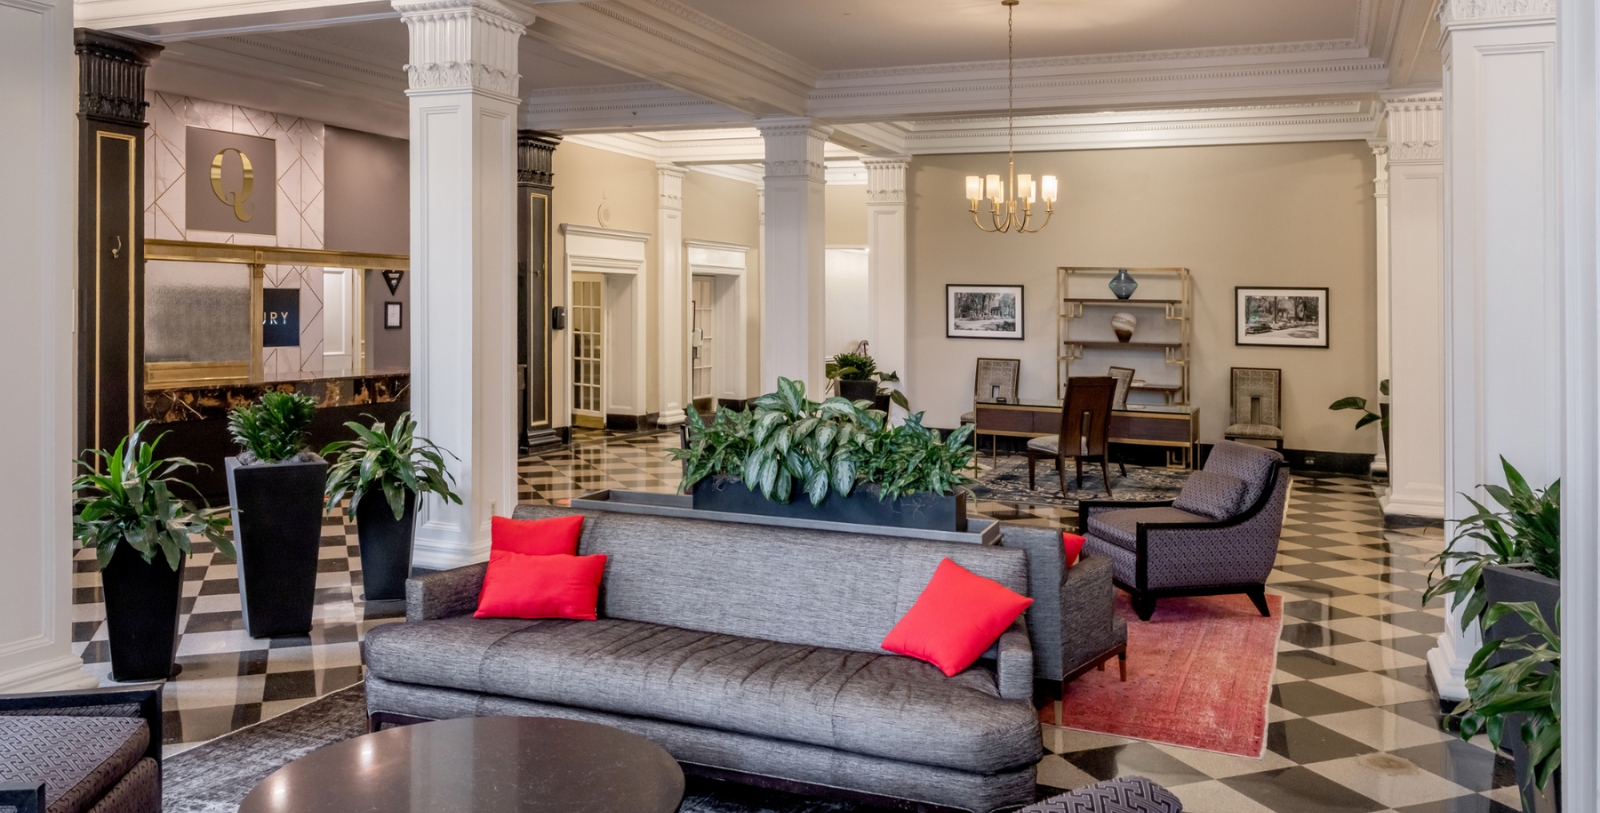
x=277, y=529
x=862, y=507
x=1508, y=583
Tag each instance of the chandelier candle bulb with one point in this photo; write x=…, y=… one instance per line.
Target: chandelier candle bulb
x=1025, y=188
x=997, y=190
x=1049, y=189
x=974, y=188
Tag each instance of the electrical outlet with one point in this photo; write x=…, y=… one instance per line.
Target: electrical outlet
x=1311, y=460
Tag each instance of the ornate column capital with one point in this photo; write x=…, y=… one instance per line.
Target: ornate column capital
x=111, y=75
x=795, y=147
x=669, y=186
x=886, y=178
x=463, y=45
x=1455, y=12
x=1416, y=127
x=536, y=158
x=1380, y=177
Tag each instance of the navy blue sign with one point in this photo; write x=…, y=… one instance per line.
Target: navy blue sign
x=280, y=317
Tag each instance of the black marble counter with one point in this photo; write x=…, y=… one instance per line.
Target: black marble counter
x=180, y=404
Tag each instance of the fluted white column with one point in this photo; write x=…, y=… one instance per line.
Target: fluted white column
x=1503, y=287
x=1380, y=205
x=1416, y=207
x=673, y=338
x=886, y=260
x=463, y=95
x=36, y=425
x=794, y=238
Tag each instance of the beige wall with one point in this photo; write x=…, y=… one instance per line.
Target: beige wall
x=722, y=209
x=1259, y=215
x=847, y=215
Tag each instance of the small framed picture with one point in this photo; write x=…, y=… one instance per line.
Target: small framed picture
x=392, y=317
x=1281, y=317
x=983, y=312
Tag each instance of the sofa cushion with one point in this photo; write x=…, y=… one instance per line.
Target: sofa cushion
x=77, y=758
x=518, y=586
x=1121, y=525
x=1211, y=494
x=553, y=536
x=867, y=703
x=956, y=618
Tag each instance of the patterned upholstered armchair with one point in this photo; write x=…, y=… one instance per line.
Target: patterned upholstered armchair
x=1256, y=398
x=91, y=751
x=1127, y=794
x=1219, y=536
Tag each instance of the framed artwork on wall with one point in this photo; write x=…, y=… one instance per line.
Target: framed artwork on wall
x=983, y=312
x=392, y=317
x=1281, y=317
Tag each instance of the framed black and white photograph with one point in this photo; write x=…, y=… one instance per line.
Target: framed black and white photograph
x=392, y=316
x=1281, y=317
x=983, y=311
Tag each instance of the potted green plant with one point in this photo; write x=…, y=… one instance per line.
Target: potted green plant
x=1358, y=403
x=275, y=487
x=1514, y=695
x=834, y=461
x=396, y=465
x=859, y=379
x=126, y=510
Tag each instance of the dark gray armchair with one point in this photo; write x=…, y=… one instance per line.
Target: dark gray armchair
x=90, y=751
x=1219, y=536
x=1073, y=619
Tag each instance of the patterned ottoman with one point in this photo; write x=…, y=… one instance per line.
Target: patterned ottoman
x=1130, y=794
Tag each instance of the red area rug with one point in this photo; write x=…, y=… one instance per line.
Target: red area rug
x=1199, y=676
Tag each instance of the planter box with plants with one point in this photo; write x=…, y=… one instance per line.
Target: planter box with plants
x=859, y=379
x=126, y=509
x=275, y=490
x=831, y=461
x=381, y=472
x=1503, y=569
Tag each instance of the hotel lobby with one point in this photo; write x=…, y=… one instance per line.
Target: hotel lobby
x=720, y=407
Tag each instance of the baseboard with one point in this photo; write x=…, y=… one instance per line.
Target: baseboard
x=1353, y=463
x=62, y=673
x=630, y=423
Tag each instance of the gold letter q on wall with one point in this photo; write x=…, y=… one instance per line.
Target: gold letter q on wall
x=234, y=199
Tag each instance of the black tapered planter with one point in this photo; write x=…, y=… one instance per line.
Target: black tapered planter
x=858, y=390
x=141, y=614
x=385, y=545
x=861, y=507
x=1509, y=583
x=277, y=529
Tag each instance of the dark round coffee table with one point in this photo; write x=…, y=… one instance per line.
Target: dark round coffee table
x=490, y=764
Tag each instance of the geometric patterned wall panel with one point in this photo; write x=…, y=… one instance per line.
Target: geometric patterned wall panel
x=300, y=201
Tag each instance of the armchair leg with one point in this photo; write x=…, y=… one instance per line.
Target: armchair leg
x=1258, y=596
x=1144, y=606
x=1122, y=664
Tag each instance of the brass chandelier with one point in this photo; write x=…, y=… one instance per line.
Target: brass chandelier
x=1013, y=212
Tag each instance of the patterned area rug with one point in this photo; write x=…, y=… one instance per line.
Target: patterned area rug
x=1007, y=481
x=1199, y=676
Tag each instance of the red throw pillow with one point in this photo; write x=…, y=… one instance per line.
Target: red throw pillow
x=518, y=586
x=957, y=617
x=536, y=537
x=1074, y=547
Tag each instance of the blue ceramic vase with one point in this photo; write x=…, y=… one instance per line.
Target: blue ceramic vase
x=1122, y=284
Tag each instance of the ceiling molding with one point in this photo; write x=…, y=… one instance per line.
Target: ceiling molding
x=175, y=20
x=622, y=107
x=691, y=148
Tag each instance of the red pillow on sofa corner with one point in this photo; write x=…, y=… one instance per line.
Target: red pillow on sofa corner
x=518, y=586
x=1073, y=544
x=536, y=537
x=957, y=617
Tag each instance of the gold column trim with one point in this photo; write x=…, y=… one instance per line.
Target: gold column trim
x=544, y=316
x=189, y=251
x=133, y=211
x=258, y=273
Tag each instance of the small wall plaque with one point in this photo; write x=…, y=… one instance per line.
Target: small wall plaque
x=392, y=319
x=392, y=278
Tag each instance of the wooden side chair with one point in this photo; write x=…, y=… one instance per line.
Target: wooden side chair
x=1085, y=425
x=1124, y=377
x=1256, y=396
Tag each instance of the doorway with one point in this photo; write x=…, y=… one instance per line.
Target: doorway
x=702, y=338
x=341, y=321
x=588, y=337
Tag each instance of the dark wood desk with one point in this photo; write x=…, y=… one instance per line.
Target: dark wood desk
x=1175, y=427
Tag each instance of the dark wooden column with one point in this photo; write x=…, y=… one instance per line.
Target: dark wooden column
x=535, y=185
x=110, y=298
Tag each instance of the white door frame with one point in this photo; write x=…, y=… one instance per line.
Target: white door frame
x=352, y=334
x=726, y=262
x=620, y=256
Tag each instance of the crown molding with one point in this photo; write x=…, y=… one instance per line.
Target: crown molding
x=176, y=20
x=622, y=107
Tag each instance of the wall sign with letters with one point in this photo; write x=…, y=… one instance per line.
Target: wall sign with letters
x=280, y=317
x=231, y=182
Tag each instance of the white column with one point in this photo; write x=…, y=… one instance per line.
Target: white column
x=1503, y=287
x=36, y=227
x=1415, y=169
x=793, y=241
x=886, y=260
x=673, y=338
x=463, y=76
x=1380, y=201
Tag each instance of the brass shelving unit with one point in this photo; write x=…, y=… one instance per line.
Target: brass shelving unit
x=1082, y=295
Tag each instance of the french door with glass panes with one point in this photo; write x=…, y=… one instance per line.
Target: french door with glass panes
x=588, y=374
x=700, y=342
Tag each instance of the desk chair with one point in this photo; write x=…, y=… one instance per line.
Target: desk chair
x=1085, y=424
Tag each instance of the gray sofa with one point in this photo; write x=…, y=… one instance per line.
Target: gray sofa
x=746, y=651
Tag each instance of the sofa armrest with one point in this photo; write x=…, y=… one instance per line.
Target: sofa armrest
x=1085, y=507
x=25, y=797
x=445, y=594
x=1088, y=613
x=142, y=700
x=1014, y=672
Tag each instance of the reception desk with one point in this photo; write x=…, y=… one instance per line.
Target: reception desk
x=1174, y=427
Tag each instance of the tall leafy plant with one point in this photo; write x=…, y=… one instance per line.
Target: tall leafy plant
x=392, y=461
x=1359, y=404
x=130, y=501
x=862, y=367
x=797, y=440
x=1529, y=686
x=715, y=448
x=1527, y=530
x=911, y=458
x=275, y=428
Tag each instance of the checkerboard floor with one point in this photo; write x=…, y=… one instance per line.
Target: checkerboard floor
x=1354, y=723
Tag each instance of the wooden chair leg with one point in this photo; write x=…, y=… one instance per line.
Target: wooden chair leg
x=1078, y=461
x=1122, y=664
x=1061, y=476
x=1144, y=606
x=1105, y=471
x=1031, y=460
